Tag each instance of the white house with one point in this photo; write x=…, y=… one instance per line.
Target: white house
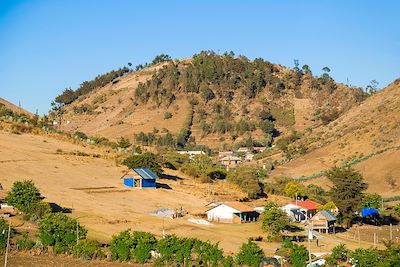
x=293, y=212
x=232, y=212
x=192, y=153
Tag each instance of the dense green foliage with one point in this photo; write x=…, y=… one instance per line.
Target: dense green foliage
x=339, y=254
x=372, y=201
x=297, y=255
x=347, y=191
x=69, y=95
x=203, y=168
x=247, y=179
x=274, y=220
x=250, y=254
x=25, y=243
x=60, y=231
x=3, y=234
x=24, y=196
x=145, y=160
x=132, y=245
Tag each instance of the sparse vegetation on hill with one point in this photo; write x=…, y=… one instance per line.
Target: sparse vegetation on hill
x=231, y=99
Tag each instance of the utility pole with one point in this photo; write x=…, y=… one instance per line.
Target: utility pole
x=391, y=233
x=77, y=232
x=309, y=245
x=374, y=240
x=8, y=244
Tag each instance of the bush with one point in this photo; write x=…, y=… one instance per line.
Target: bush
x=58, y=230
x=250, y=254
x=246, y=178
x=3, y=234
x=25, y=243
x=123, y=143
x=274, y=220
x=88, y=249
x=136, y=245
x=167, y=115
x=146, y=160
x=39, y=210
x=24, y=196
x=80, y=136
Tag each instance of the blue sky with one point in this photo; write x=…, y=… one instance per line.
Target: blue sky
x=46, y=46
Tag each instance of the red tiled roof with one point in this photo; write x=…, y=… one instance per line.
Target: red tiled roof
x=308, y=204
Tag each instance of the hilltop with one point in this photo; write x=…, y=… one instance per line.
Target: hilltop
x=215, y=100
x=366, y=137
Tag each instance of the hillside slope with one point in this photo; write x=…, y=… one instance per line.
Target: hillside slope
x=14, y=108
x=367, y=137
x=209, y=99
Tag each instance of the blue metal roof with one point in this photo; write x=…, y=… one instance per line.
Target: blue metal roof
x=328, y=215
x=145, y=173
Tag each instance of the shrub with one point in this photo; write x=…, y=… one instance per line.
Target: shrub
x=146, y=160
x=39, y=210
x=167, y=115
x=80, y=136
x=3, y=234
x=246, y=178
x=58, y=230
x=274, y=220
x=250, y=254
x=136, y=245
x=88, y=249
x=25, y=243
x=123, y=143
x=23, y=195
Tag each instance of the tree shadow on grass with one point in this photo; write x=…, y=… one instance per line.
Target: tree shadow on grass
x=57, y=208
x=170, y=177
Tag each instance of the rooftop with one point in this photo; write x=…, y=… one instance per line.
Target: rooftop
x=308, y=204
x=145, y=173
x=239, y=206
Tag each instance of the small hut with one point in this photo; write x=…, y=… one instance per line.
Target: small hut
x=323, y=221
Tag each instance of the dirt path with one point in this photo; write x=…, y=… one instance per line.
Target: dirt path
x=24, y=260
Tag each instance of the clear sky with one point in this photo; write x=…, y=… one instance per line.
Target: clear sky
x=48, y=45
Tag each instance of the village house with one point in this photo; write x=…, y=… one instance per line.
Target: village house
x=192, y=153
x=230, y=162
x=308, y=207
x=293, y=212
x=323, y=221
x=140, y=178
x=251, y=149
x=243, y=150
x=222, y=154
x=249, y=157
x=232, y=212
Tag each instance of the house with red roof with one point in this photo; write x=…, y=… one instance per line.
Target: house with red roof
x=308, y=207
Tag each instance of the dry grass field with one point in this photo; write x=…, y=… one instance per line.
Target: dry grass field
x=71, y=182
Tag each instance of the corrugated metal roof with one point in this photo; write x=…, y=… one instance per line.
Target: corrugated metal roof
x=328, y=215
x=145, y=173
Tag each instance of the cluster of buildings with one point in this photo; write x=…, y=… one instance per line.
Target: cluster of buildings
x=231, y=159
x=308, y=212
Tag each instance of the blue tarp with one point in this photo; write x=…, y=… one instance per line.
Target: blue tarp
x=369, y=212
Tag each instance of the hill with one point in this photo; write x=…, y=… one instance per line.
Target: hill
x=14, y=108
x=209, y=99
x=367, y=137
